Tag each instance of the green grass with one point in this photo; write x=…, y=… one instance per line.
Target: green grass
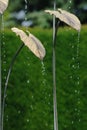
x=30, y=105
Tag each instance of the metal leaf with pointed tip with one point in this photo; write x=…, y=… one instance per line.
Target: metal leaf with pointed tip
x=3, y=5
x=31, y=42
x=66, y=17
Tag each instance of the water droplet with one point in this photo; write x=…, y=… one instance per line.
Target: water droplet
x=78, y=78
x=28, y=81
x=28, y=64
x=26, y=1
x=25, y=6
x=65, y=126
x=25, y=19
x=46, y=124
x=4, y=62
x=32, y=96
x=79, y=92
x=7, y=116
x=5, y=77
x=70, y=1
x=31, y=107
x=79, y=120
x=76, y=109
x=78, y=102
x=5, y=95
x=4, y=70
x=78, y=83
x=49, y=95
x=27, y=120
x=19, y=112
x=28, y=58
x=79, y=99
x=72, y=46
x=71, y=77
x=76, y=91
x=73, y=58
x=72, y=122
x=73, y=66
x=3, y=43
x=79, y=111
x=48, y=103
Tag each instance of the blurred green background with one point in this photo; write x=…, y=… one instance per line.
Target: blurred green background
x=34, y=12
x=29, y=101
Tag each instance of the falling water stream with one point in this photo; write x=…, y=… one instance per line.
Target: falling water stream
x=75, y=68
x=78, y=78
x=26, y=9
x=43, y=73
x=75, y=76
x=3, y=56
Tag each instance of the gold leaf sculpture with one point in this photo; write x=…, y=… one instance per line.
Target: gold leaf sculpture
x=66, y=17
x=31, y=42
x=3, y=5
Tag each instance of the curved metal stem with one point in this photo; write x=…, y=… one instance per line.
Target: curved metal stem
x=7, y=79
x=55, y=29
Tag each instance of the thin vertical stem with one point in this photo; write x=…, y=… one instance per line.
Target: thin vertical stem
x=54, y=73
x=0, y=70
x=7, y=79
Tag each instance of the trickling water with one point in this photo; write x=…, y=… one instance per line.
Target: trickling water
x=3, y=50
x=75, y=66
x=78, y=78
x=25, y=10
x=7, y=117
x=70, y=2
x=43, y=73
x=43, y=68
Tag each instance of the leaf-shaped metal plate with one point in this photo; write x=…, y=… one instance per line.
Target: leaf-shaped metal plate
x=66, y=17
x=3, y=5
x=31, y=42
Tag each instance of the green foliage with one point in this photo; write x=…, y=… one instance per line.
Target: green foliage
x=29, y=102
x=36, y=8
x=40, y=19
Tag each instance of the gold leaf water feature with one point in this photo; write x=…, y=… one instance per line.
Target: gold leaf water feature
x=71, y=20
x=31, y=42
x=66, y=17
x=34, y=45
